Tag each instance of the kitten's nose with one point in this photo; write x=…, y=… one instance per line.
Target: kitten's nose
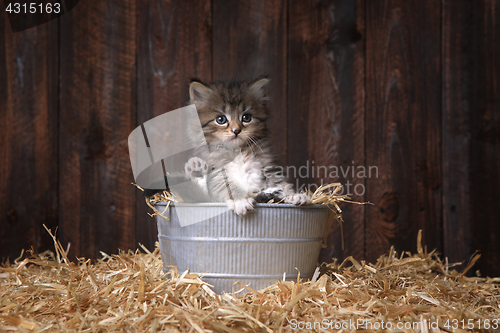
x=236, y=130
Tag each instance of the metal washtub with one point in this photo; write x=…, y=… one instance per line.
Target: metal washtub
x=255, y=249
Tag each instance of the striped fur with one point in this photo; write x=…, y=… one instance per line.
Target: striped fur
x=253, y=175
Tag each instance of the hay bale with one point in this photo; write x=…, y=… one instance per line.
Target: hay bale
x=128, y=292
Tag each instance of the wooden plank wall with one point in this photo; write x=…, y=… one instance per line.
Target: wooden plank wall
x=485, y=133
x=326, y=104
x=28, y=138
x=174, y=46
x=403, y=104
x=408, y=87
x=97, y=113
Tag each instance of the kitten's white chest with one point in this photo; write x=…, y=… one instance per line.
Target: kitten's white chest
x=246, y=171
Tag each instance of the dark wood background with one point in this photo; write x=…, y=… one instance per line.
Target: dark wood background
x=409, y=86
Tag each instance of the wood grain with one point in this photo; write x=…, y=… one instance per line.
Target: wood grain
x=457, y=48
x=249, y=41
x=175, y=46
x=301, y=49
x=408, y=87
x=326, y=106
x=98, y=111
x=485, y=131
x=28, y=138
x=403, y=138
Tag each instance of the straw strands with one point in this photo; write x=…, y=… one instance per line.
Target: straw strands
x=129, y=292
x=325, y=195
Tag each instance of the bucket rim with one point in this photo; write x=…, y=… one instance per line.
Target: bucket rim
x=258, y=205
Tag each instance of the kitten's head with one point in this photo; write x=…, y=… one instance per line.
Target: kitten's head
x=232, y=112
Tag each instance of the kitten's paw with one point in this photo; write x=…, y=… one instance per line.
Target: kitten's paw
x=241, y=207
x=196, y=168
x=273, y=193
x=298, y=199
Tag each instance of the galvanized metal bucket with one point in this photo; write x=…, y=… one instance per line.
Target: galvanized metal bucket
x=256, y=249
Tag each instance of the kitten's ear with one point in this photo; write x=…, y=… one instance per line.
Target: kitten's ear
x=198, y=92
x=257, y=88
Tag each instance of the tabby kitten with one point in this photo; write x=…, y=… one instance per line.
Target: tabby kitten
x=233, y=116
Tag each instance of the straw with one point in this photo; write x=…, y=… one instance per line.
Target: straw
x=128, y=291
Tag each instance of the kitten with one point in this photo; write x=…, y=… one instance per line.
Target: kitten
x=233, y=117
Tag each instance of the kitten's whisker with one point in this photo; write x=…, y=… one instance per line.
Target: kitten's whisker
x=258, y=140
x=255, y=141
x=250, y=146
x=252, y=142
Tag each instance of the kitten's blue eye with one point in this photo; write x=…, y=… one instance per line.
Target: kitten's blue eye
x=246, y=118
x=221, y=120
